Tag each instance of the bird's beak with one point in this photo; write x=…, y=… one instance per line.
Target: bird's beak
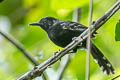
x=34, y=24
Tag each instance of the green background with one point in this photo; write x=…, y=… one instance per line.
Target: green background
x=15, y=15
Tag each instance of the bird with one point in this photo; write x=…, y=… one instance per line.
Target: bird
x=62, y=33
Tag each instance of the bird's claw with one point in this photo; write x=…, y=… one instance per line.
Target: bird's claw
x=73, y=51
x=74, y=38
x=56, y=52
x=35, y=67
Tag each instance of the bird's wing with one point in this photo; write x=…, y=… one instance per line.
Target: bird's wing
x=68, y=25
x=74, y=26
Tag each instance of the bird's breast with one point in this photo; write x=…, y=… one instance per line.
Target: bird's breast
x=60, y=37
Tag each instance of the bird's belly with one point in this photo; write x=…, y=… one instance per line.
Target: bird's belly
x=61, y=39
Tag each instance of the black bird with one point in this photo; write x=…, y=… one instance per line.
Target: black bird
x=63, y=32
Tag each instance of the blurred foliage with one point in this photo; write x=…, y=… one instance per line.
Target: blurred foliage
x=15, y=15
x=117, y=31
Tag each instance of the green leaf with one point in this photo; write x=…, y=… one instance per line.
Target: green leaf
x=117, y=31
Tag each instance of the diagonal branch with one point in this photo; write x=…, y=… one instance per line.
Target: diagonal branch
x=19, y=46
x=14, y=41
x=38, y=70
x=63, y=65
x=116, y=77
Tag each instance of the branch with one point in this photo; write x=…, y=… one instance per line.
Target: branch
x=21, y=48
x=38, y=70
x=115, y=77
x=76, y=15
x=65, y=63
x=22, y=12
x=63, y=66
x=88, y=41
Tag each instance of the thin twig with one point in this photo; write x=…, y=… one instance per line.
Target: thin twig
x=76, y=15
x=38, y=70
x=21, y=48
x=88, y=41
x=22, y=12
x=64, y=64
x=115, y=77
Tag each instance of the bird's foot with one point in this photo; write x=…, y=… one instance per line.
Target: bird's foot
x=73, y=51
x=93, y=22
x=56, y=52
x=74, y=38
x=35, y=67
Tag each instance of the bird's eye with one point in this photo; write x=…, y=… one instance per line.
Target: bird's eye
x=49, y=23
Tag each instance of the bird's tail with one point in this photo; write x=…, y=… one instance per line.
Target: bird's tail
x=102, y=61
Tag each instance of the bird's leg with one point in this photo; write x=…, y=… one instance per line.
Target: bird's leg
x=73, y=51
x=74, y=38
x=56, y=52
x=35, y=67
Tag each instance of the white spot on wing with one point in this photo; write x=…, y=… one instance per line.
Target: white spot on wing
x=104, y=58
x=105, y=72
x=75, y=26
x=71, y=28
x=64, y=27
x=62, y=24
x=79, y=25
x=114, y=71
x=96, y=61
x=102, y=68
x=108, y=64
x=72, y=24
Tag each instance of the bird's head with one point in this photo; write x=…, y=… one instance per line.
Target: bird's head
x=45, y=23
